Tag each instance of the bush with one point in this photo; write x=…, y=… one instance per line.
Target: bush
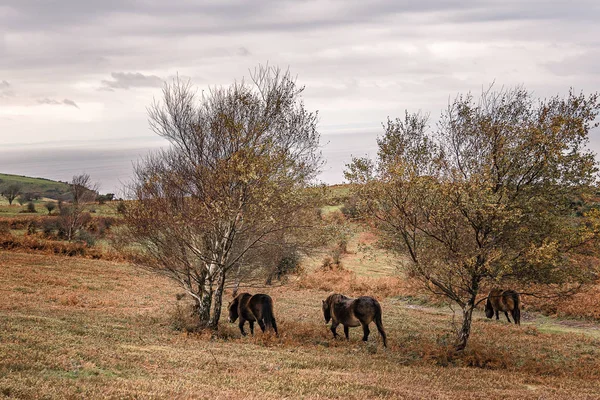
x=183, y=318
x=121, y=207
x=288, y=264
x=86, y=237
x=350, y=208
x=49, y=227
x=50, y=205
x=32, y=228
x=31, y=207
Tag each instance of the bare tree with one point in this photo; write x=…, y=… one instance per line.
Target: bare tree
x=232, y=181
x=73, y=215
x=487, y=197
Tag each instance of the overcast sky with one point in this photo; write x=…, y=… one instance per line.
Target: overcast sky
x=76, y=76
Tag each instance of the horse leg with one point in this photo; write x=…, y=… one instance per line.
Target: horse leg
x=347, y=332
x=251, y=323
x=516, y=313
x=365, y=332
x=379, y=325
x=261, y=324
x=497, y=317
x=333, y=328
x=241, y=325
x=274, y=326
x=509, y=321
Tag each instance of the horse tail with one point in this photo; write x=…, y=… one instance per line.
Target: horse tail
x=379, y=323
x=517, y=310
x=267, y=314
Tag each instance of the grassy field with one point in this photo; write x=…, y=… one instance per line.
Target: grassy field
x=45, y=187
x=75, y=328
x=108, y=209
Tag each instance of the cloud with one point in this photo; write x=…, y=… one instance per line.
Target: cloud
x=359, y=61
x=54, y=102
x=5, y=90
x=128, y=80
x=71, y=103
x=242, y=51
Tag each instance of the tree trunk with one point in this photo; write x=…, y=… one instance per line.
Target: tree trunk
x=203, y=307
x=465, y=329
x=214, y=320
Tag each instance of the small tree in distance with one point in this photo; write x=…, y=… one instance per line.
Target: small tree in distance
x=487, y=198
x=231, y=185
x=50, y=206
x=73, y=215
x=11, y=191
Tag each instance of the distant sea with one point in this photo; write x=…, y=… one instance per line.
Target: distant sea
x=113, y=168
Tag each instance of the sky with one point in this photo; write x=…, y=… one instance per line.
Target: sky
x=77, y=76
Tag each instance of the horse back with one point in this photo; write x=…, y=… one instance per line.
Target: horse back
x=365, y=308
x=496, y=299
x=354, y=312
x=512, y=299
x=256, y=304
x=504, y=300
x=343, y=312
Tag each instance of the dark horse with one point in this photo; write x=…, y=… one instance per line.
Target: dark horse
x=257, y=308
x=504, y=300
x=353, y=312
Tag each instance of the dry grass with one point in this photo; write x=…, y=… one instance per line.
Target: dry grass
x=76, y=328
x=39, y=244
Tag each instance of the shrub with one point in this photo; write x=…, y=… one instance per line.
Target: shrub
x=183, y=318
x=50, y=205
x=350, y=208
x=49, y=227
x=288, y=264
x=32, y=228
x=31, y=207
x=121, y=207
x=86, y=237
x=4, y=227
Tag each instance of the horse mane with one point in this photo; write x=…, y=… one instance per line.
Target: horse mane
x=331, y=298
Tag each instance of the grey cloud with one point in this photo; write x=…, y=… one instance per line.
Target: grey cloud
x=5, y=90
x=242, y=51
x=54, y=102
x=71, y=103
x=49, y=101
x=128, y=80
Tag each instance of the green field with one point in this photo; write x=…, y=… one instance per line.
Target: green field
x=45, y=187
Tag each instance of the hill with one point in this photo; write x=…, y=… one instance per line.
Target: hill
x=44, y=187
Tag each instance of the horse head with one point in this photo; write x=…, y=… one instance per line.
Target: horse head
x=489, y=310
x=326, y=311
x=233, y=310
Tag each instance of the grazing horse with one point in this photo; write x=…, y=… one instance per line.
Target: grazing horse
x=353, y=312
x=257, y=308
x=504, y=300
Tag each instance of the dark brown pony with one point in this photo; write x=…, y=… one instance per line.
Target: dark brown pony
x=257, y=308
x=353, y=312
x=504, y=300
